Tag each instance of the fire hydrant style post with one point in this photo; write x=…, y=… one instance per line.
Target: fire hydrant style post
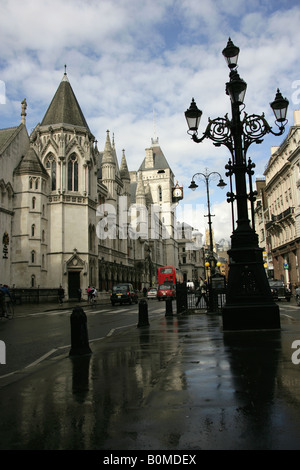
x=143, y=313
x=79, y=334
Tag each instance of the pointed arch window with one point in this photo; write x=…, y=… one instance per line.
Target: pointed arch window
x=73, y=173
x=51, y=167
x=32, y=230
x=159, y=193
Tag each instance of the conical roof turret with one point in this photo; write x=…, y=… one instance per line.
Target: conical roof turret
x=31, y=164
x=64, y=107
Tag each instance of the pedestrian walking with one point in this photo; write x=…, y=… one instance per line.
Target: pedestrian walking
x=89, y=293
x=201, y=291
x=94, y=294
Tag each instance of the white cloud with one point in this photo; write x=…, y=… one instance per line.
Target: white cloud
x=126, y=58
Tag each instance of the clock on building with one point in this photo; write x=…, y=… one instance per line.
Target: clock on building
x=177, y=192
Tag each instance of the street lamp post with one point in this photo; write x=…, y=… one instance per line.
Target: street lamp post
x=207, y=177
x=249, y=303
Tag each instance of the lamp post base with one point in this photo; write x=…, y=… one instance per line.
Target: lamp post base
x=251, y=317
x=249, y=302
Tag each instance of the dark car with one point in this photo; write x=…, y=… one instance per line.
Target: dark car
x=123, y=293
x=279, y=291
x=166, y=291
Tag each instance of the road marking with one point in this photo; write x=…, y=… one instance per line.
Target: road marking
x=288, y=316
x=52, y=351
x=41, y=358
x=292, y=307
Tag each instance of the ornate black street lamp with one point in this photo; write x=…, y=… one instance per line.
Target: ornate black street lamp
x=249, y=302
x=211, y=261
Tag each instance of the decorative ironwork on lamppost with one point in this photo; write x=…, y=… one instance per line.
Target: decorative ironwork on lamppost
x=249, y=303
x=207, y=177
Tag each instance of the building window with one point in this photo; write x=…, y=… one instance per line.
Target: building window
x=33, y=280
x=33, y=256
x=159, y=193
x=73, y=173
x=51, y=167
x=90, y=181
x=33, y=203
x=32, y=230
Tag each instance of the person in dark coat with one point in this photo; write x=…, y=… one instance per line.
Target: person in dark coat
x=61, y=294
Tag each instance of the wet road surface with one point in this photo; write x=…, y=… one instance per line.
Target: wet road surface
x=179, y=384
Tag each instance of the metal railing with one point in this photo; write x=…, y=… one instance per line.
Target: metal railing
x=218, y=296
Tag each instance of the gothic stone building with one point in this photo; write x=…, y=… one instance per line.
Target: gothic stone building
x=71, y=215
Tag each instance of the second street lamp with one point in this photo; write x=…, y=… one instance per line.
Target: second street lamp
x=207, y=177
x=249, y=302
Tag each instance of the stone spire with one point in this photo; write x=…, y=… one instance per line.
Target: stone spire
x=140, y=190
x=124, y=173
x=108, y=151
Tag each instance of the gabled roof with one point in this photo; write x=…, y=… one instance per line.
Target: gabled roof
x=7, y=136
x=64, y=107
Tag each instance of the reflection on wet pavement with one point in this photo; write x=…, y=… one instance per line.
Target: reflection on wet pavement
x=178, y=384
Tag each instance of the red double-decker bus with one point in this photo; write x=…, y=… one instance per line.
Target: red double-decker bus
x=169, y=275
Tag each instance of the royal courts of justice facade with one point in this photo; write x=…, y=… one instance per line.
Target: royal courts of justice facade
x=62, y=201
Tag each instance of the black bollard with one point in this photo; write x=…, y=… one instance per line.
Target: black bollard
x=79, y=334
x=169, y=307
x=143, y=313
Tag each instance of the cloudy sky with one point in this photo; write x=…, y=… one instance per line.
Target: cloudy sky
x=135, y=65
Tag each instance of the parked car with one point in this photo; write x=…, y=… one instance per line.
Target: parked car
x=152, y=293
x=123, y=293
x=279, y=291
x=166, y=291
